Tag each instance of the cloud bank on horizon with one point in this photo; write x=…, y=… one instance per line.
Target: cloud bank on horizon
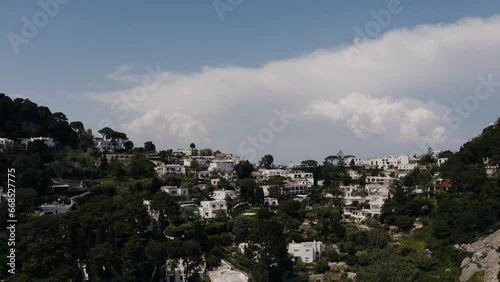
x=402, y=87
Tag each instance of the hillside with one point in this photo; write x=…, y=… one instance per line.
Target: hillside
x=21, y=118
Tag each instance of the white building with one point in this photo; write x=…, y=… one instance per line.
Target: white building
x=376, y=204
x=379, y=179
x=350, y=195
x=267, y=173
x=221, y=195
x=377, y=190
x=373, y=163
x=110, y=145
x=208, y=209
x=5, y=144
x=177, y=152
x=175, y=191
x=407, y=167
x=306, y=251
x=403, y=159
x=306, y=177
x=296, y=188
x=221, y=165
x=441, y=161
x=215, y=181
x=353, y=174
x=181, y=272
x=47, y=140
x=171, y=168
x=357, y=161
x=271, y=202
x=354, y=215
x=55, y=208
x=227, y=273
x=205, y=174
x=300, y=165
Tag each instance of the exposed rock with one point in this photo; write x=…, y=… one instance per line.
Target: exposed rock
x=491, y=262
x=428, y=252
x=465, y=262
x=477, y=256
x=485, y=257
x=469, y=271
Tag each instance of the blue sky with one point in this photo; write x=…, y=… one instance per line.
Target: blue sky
x=65, y=66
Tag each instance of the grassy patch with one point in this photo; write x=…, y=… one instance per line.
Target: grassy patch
x=477, y=277
x=411, y=241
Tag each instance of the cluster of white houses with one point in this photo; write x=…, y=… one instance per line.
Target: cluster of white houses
x=22, y=143
x=362, y=203
x=400, y=162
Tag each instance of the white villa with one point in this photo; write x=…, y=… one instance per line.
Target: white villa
x=163, y=169
x=441, y=161
x=271, y=202
x=307, y=177
x=221, y=165
x=306, y=251
x=47, y=140
x=407, y=167
x=377, y=194
x=379, y=179
x=350, y=195
x=5, y=143
x=109, y=145
x=221, y=195
x=177, y=152
x=296, y=188
x=175, y=191
x=208, y=208
x=357, y=161
x=55, y=208
x=215, y=181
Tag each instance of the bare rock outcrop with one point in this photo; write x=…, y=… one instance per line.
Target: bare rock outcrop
x=485, y=257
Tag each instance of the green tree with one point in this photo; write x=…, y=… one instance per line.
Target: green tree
x=149, y=147
x=243, y=169
x=192, y=146
x=242, y=227
x=266, y=161
x=140, y=167
x=404, y=222
x=101, y=259
x=248, y=188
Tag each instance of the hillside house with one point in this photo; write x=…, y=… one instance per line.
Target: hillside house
x=208, y=209
x=306, y=251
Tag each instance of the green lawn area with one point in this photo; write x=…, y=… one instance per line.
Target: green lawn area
x=418, y=239
x=446, y=269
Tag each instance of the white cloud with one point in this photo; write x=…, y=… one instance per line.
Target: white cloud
x=178, y=127
x=122, y=73
x=187, y=128
x=397, y=120
x=403, y=79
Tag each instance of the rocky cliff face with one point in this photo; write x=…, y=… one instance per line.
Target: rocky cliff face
x=485, y=257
